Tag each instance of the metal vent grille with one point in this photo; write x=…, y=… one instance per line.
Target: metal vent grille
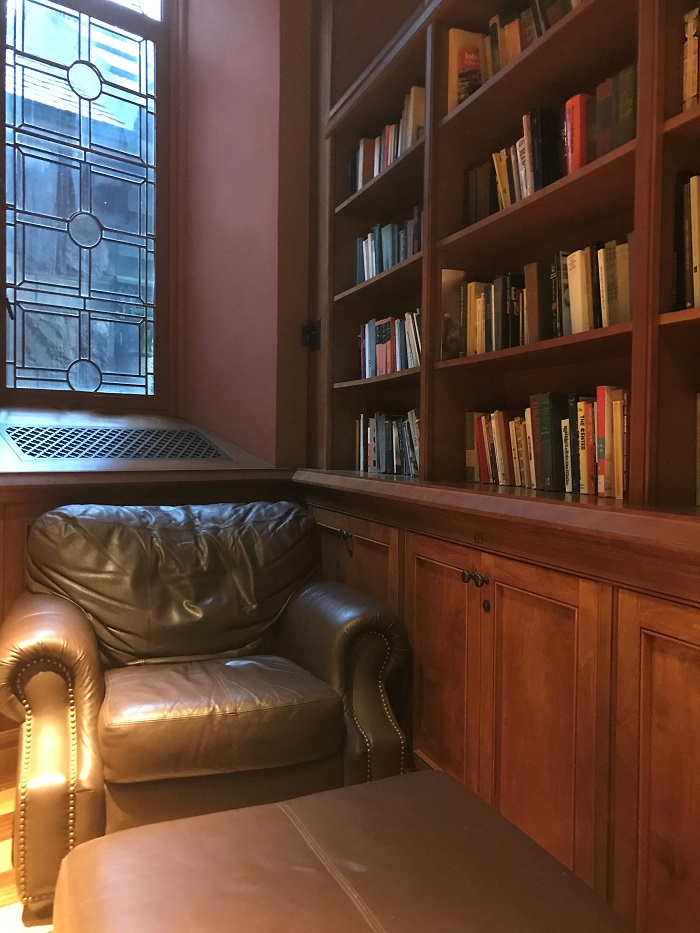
x=49, y=442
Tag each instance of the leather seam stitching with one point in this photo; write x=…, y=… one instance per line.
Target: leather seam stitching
x=353, y=895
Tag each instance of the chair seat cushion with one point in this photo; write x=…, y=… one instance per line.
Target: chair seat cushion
x=216, y=716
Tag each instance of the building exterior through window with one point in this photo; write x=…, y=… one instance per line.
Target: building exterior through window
x=81, y=192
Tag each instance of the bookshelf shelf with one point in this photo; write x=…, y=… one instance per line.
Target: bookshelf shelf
x=406, y=376
x=557, y=217
x=684, y=127
x=386, y=192
x=400, y=280
x=680, y=319
x=576, y=348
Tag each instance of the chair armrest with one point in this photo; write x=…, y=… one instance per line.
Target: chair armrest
x=51, y=679
x=352, y=642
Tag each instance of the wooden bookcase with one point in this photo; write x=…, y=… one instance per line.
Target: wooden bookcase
x=631, y=188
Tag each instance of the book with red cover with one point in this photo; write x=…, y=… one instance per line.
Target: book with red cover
x=576, y=110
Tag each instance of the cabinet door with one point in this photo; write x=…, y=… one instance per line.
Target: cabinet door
x=657, y=765
x=545, y=652
x=361, y=553
x=442, y=615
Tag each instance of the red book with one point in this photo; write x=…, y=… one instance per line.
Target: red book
x=591, y=466
x=576, y=110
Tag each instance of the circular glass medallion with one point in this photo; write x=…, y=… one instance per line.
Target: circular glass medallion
x=85, y=229
x=84, y=376
x=85, y=80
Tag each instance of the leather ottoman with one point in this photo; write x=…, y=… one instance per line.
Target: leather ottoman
x=408, y=854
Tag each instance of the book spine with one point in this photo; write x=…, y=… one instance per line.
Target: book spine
x=542, y=471
x=512, y=430
x=531, y=448
x=471, y=459
x=566, y=447
x=481, y=453
x=574, y=444
x=582, y=448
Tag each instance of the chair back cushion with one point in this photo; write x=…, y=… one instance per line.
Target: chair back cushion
x=175, y=582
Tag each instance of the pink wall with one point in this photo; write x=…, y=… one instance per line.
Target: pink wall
x=230, y=205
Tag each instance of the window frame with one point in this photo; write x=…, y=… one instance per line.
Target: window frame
x=163, y=33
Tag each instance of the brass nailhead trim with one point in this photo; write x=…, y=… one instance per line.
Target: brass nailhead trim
x=72, y=765
x=385, y=704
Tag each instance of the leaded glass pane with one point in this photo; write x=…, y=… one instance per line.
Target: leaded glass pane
x=80, y=137
x=150, y=8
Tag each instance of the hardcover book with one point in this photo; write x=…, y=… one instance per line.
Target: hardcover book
x=548, y=411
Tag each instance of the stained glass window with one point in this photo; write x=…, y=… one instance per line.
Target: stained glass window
x=149, y=7
x=80, y=150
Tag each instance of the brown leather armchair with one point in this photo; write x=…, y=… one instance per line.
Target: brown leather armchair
x=169, y=661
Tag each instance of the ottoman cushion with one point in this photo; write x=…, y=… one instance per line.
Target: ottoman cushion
x=402, y=855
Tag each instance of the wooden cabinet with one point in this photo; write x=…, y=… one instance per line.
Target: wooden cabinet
x=657, y=765
x=442, y=616
x=545, y=668
x=511, y=691
x=361, y=553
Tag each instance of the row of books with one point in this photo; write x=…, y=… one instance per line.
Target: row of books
x=578, y=291
x=387, y=442
x=554, y=143
x=691, y=72
x=687, y=242
x=374, y=154
x=474, y=57
x=390, y=345
x=597, y=123
x=560, y=443
x=386, y=245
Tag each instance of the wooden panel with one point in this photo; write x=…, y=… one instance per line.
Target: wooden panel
x=657, y=791
x=535, y=718
x=360, y=553
x=336, y=557
x=546, y=665
x=372, y=561
x=18, y=520
x=443, y=617
x=603, y=539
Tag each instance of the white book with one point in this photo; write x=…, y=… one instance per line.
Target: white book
x=579, y=299
x=602, y=278
x=522, y=167
x=566, y=446
x=502, y=478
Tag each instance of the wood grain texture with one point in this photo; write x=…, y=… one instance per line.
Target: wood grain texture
x=442, y=615
x=657, y=795
x=653, y=552
x=545, y=675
